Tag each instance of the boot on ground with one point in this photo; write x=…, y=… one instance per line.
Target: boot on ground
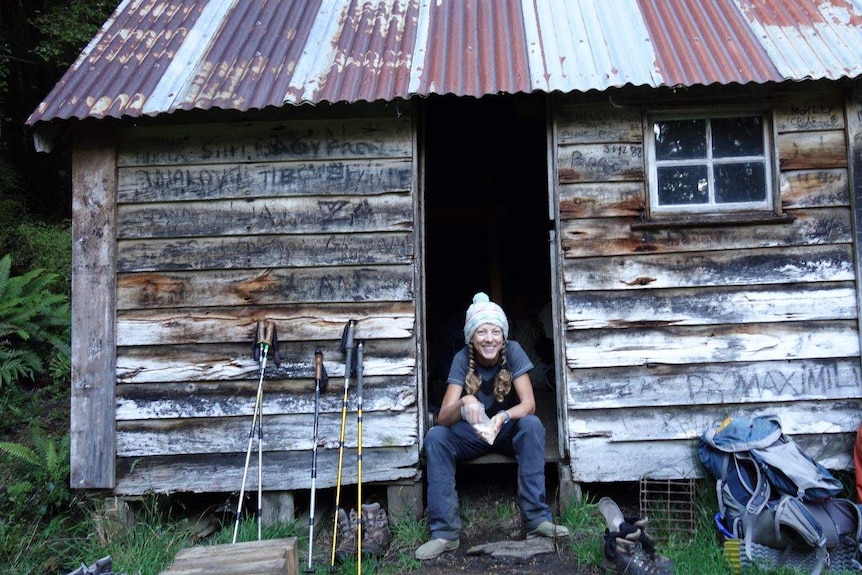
x=347, y=524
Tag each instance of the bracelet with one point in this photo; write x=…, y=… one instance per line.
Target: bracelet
x=508, y=417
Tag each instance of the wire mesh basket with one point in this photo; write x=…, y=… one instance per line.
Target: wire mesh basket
x=670, y=506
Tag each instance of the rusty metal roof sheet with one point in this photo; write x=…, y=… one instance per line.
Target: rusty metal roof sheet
x=157, y=56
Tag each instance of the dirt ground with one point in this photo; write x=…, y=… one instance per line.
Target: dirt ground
x=485, y=498
x=487, y=494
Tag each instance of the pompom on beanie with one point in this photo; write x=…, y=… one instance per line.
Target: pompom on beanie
x=483, y=311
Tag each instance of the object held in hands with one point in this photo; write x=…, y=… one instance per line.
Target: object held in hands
x=474, y=413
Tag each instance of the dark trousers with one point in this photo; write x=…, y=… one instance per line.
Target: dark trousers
x=446, y=446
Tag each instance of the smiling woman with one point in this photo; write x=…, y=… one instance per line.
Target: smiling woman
x=488, y=407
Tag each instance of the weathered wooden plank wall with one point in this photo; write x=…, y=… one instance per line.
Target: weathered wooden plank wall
x=308, y=223
x=669, y=330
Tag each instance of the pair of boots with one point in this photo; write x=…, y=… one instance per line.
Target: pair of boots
x=375, y=531
x=628, y=548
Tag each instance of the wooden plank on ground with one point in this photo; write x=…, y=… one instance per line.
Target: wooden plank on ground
x=267, y=557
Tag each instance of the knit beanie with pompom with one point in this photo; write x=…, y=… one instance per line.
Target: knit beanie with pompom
x=483, y=311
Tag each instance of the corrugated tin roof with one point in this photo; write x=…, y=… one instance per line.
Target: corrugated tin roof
x=158, y=56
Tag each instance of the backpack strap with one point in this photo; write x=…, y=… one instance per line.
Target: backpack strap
x=794, y=515
x=760, y=494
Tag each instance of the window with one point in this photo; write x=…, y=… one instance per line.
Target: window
x=714, y=164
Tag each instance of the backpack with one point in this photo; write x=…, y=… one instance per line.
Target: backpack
x=772, y=494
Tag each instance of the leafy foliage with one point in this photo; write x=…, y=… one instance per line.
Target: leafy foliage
x=46, y=245
x=35, y=324
x=66, y=27
x=42, y=482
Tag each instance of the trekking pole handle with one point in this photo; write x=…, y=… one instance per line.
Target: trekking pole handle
x=347, y=335
x=318, y=365
x=265, y=331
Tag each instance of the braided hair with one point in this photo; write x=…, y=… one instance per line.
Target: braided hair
x=502, y=381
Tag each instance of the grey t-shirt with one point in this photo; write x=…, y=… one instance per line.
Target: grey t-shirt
x=518, y=364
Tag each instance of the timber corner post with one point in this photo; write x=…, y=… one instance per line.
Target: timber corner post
x=94, y=337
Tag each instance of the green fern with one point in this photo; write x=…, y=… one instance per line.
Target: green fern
x=45, y=467
x=35, y=324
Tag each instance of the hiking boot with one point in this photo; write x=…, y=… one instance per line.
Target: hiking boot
x=548, y=529
x=627, y=557
x=346, y=534
x=375, y=529
x=436, y=547
x=627, y=546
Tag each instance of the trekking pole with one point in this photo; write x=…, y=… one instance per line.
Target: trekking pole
x=320, y=380
x=359, y=372
x=263, y=340
x=347, y=347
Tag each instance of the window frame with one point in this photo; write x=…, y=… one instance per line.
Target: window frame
x=770, y=207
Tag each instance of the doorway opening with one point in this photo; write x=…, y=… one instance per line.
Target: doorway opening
x=487, y=229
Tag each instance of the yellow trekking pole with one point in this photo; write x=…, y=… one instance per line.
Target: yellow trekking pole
x=347, y=347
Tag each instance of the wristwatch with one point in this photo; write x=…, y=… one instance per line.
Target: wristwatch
x=508, y=417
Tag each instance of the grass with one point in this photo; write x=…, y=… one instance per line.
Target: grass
x=82, y=533
x=149, y=545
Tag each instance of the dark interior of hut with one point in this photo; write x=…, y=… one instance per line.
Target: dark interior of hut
x=487, y=229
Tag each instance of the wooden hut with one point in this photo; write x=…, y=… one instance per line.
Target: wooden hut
x=666, y=209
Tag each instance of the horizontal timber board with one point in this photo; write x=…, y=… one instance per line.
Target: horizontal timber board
x=652, y=423
x=264, y=251
x=210, y=362
x=581, y=124
x=614, y=236
x=610, y=162
x=305, y=215
x=710, y=306
x=714, y=383
x=815, y=188
x=799, y=189
x=809, y=110
x=829, y=263
x=812, y=150
x=601, y=200
x=280, y=433
x=268, y=286
x=229, y=399
x=594, y=460
x=706, y=344
x=281, y=471
x=394, y=320
x=188, y=182
x=266, y=142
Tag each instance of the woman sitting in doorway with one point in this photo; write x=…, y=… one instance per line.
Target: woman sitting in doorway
x=488, y=406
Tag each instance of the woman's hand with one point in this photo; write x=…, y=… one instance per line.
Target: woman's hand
x=471, y=410
x=499, y=421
